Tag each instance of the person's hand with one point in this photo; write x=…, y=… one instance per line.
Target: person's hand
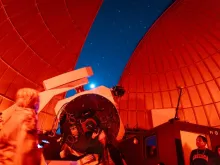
x=102, y=137
x=94, y=135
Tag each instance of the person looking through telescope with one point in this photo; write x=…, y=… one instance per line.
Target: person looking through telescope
x=18, y=136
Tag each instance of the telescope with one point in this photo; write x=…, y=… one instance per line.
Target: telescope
x=82, y=118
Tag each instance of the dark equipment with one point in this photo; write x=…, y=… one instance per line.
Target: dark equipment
x=87, y=113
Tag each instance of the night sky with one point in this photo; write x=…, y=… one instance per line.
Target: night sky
x=115, y=33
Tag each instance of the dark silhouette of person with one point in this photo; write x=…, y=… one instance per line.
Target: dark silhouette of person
x=201, y=155
x=216, y=160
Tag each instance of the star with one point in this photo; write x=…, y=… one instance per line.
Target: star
x=158, y=11
x=141, y=22
x=123, y=35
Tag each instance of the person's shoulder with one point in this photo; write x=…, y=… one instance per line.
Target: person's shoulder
x=193, y=151
x=210, y=151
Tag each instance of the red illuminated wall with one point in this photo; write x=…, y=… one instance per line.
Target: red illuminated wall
x=181, y=48
x=40, y=39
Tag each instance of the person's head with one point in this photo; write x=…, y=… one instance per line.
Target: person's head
x=201, y=141
x=27, y=98
x=217, y=150
x=74, y=130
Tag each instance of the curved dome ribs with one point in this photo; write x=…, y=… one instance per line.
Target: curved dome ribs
x=40, y=39
x=181, y=49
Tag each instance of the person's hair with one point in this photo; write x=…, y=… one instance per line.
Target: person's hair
x=27, y=98
x=204, y=139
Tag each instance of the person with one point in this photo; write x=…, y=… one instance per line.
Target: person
x=201, y=155
x=216, y=160
x=94, y=153
x=18, y=136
